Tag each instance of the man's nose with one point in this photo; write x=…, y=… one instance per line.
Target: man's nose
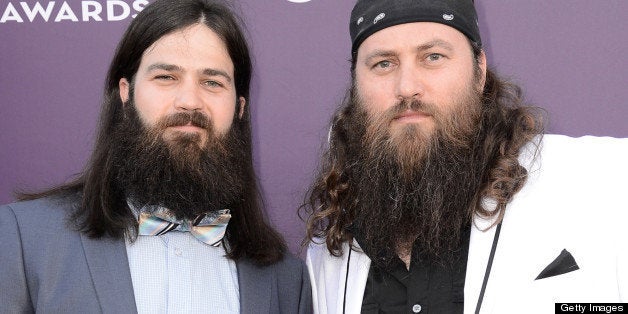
x=188, y=96
x=409, y=82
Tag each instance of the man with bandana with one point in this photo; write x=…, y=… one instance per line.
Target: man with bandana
x=439, y=192
x=166, y=216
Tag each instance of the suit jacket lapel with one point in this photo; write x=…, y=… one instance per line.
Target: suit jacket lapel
x=359, y=267
x=255, y=284
x=109, y=268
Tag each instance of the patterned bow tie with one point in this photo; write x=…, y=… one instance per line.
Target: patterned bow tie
x=208, y=227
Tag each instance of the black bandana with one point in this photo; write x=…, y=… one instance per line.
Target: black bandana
x=370, y=16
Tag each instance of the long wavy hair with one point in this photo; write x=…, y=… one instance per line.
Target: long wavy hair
x=102, y=209
x=507, y=123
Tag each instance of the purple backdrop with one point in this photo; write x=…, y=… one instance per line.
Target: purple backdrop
x=569, y=55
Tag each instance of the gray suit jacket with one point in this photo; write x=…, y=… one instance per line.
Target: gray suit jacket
x=47, y=267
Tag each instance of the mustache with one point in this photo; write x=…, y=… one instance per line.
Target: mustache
x=195, y=118
x=411, y=104
x=378, y=125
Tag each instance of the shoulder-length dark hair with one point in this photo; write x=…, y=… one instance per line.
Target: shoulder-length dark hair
x=102, y=210
x=507, y=124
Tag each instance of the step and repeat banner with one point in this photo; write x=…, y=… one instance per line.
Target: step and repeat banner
x=569, y=56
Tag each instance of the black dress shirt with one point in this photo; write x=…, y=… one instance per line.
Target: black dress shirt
x=428, y=287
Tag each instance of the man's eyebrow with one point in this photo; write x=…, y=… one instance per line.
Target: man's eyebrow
x=379, y=53
x=382, y=53
x=215, y=72
x=435, y=43
x=165, y=67
x=176, y=68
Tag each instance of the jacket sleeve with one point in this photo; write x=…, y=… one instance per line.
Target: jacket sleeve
x=622, y=274
x=14, y=295
x=292, y=293
x=305, y=305
x=620, y=168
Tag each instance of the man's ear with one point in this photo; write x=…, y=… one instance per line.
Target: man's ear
x=241, y=105
x=482, y=64
x=124, y=87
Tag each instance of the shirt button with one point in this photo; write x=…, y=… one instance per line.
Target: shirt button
x=416, y=308
x=177, y=251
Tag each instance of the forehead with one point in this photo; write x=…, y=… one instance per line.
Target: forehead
x=193, y=46
x=411, y=35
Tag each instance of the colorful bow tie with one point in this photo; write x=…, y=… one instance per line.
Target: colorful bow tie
x=209, y=227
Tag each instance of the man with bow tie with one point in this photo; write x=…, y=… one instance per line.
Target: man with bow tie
x=439, y=193
x=165, y=217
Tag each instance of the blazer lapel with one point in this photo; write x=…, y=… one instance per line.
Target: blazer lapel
x=109, y=268
x=359, y=267
x=255, y=284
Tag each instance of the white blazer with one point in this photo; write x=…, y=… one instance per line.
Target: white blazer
x=575, y=198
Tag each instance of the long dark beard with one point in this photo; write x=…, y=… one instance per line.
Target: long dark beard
x=414, y=190
x=178, y=173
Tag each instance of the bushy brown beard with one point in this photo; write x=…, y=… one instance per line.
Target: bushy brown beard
x=179, y=172
x=414, y=190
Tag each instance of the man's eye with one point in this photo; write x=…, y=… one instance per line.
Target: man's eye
x=383, y=64
x=213, y=83
x=434, y=57
x=164, y=77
